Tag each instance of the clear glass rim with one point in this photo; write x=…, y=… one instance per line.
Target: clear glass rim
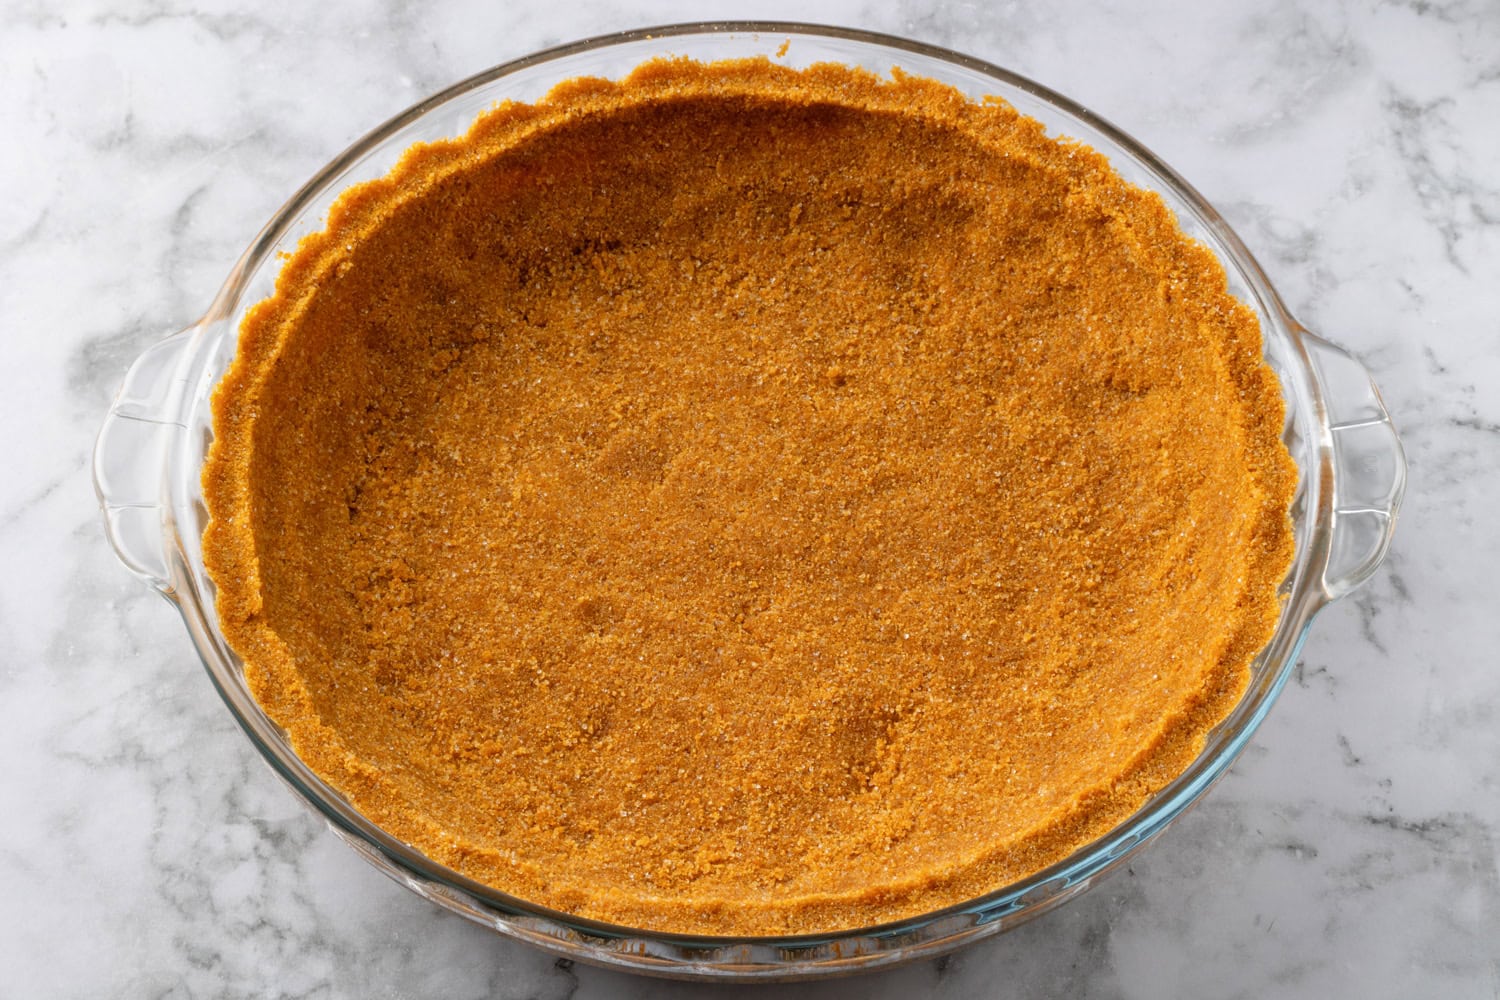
x=1302, y=601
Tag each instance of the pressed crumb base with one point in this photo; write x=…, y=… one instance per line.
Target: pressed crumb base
x=739, y=500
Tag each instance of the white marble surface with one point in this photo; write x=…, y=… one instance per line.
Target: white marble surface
x=145, y=850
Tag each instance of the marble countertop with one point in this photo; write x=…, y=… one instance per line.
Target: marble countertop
x=1353, y=850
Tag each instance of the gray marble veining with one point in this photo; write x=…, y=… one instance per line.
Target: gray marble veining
x=1353, y=851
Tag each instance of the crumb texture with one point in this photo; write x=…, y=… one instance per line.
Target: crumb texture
x=741, y=500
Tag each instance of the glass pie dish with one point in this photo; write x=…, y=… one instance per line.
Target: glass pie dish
x=151, y=450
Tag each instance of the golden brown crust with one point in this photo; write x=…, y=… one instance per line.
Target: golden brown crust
x=740, y=500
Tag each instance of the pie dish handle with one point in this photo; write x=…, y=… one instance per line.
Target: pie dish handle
x=1369, y=467
x=131, y=458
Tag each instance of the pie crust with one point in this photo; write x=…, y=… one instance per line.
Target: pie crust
x=740, y=500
